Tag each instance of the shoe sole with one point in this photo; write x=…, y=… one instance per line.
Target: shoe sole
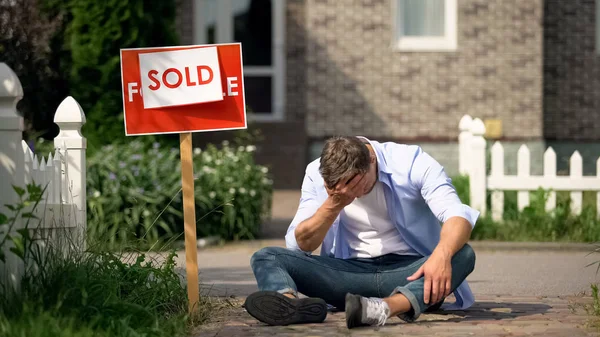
x=274, y=308
x=353, y=311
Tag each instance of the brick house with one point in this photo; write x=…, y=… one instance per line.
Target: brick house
x=407, y=71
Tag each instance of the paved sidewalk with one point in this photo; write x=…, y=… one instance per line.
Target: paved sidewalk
x=519, y=293
x=226, y=270
x=491, y=316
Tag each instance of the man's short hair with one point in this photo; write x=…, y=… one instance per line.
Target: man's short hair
x=343, y=157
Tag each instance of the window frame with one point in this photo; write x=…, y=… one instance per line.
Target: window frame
x=426, y=43
x=224, y=34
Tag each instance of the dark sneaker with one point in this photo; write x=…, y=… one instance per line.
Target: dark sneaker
x=363, y=311
x=274, y=308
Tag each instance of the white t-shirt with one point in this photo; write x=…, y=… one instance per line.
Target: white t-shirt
x=371, y=231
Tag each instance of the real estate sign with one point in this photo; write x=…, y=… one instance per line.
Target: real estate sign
x=183, y=89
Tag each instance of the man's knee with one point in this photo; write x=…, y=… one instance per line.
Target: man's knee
x=266, y=253
x=466, y=258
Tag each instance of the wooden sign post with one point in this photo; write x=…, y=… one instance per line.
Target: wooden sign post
x=184, y=90
x=189, y=218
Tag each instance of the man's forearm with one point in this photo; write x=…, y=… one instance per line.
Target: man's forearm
x=311, y=232
x=456, y=232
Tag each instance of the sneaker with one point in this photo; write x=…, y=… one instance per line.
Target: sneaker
x=363, y=311
x=274, y=308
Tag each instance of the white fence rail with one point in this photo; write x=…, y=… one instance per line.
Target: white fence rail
x=62, y=173
x=472, y=162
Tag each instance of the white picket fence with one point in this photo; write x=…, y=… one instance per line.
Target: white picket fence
x=57, y=209
x=472, y=162
x=62, y=173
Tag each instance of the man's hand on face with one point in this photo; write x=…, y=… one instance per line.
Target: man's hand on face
x=438, y=278
x=345, y=192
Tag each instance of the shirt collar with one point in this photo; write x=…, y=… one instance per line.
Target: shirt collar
x=381, y=163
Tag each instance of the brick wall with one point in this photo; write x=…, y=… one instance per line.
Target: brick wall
x=358, y=84
x=343, y=77
x=295, y=55
x=571, y=71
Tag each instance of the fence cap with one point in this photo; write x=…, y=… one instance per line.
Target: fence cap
x=465, y=123
x=477, y=127
x=10, y=86
x=69, y=111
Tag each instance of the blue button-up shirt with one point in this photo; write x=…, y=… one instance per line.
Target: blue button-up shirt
x=419, y=196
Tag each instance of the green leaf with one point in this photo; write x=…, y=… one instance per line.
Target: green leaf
x=19, y=248
x=20, y=191
x=35, y=191
x=84, y=297
x=3, y=219
x=11, y=207
x=2, y=256
x=33, y=188
x=24, y=233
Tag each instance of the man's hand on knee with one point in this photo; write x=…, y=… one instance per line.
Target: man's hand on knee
x=437, y=271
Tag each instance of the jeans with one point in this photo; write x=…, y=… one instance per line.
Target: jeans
x=283, y=270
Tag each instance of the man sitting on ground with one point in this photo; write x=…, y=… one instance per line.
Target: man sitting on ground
x=375, y=209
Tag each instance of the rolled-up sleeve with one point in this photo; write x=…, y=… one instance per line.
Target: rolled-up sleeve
x=307, y=208
x=437, y=190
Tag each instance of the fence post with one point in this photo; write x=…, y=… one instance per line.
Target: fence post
x=550, y=174
x=477, y=168
x=576, y=171
x=70, y=118
x=464, y=139
x=523, y=172
x=11, y=165
x=497, y=171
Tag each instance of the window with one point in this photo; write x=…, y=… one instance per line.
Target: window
x=425, y=25
x=259, y=26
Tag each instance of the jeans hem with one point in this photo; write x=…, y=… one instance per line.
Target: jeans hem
x=413, y=314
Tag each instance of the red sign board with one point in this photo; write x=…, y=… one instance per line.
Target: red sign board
x=176, y=89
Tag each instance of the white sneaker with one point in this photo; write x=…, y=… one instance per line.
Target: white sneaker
x=363, y=311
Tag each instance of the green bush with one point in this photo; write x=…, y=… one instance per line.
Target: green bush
x=71, y=47
x=461, y=184
x=26, y=47
x=534, y=223
x=228, y=180
x=66, y=292
x=129, y=192
x=94, y=36
x=134, y=192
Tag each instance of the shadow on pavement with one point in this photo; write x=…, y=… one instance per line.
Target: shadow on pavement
x=491, y=311
x=240, y=282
